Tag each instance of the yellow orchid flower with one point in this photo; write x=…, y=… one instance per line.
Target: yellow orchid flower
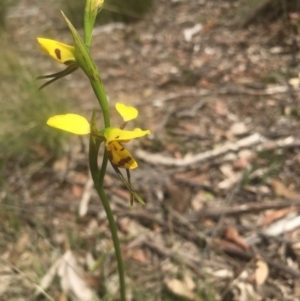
x=71, y=123
x=119, y=156
x=127, y=112
x=61, y=52
x=116, y=134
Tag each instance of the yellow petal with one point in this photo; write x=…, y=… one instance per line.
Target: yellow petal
x=120, y=156
x=62, y=53
x=72, y=123
x=127, y=112
x=116, y=134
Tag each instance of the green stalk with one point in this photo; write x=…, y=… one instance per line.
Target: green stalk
x=115, y=238
x=93, y=158
x=86, y=63
x=101, y=97
x=103, y=167
x=98, y=182
x=84, y=60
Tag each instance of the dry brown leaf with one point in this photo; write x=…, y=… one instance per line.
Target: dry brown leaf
x=19, y=248
x=297, y=287
x=61, y=165
x=180, y=196
x=246, y=154
x=63, y=297
x=108, y=180
x=241, y=163
x=230, y=181
x=40, y=151
x=48, y=278
x=86, y=197
x=227, y=170
x=157, y=228
x=295, y=82
x=177, y=155
x=238, y=128
x=179, y=289
x=201, y=179
x=71, y=279
x=233, y=235
x=190, y=127
x=281, y=190
x=122, y=193
x=189, y=282
x=7, y=279
x=77, y=190
x=139, y=255
x=132, y=228
x=200, y=199
x=247, y=291
x=261, y=272
x=92, y=280
x=221, y=108
x=171, y=147
x=204, y=83
x=276, y=215
x=227, y=244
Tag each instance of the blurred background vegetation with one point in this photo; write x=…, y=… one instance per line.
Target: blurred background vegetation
x=23, y=133
x=115, y=11
x=24, y=109
x=24, y=136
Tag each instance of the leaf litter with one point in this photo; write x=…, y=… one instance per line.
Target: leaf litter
x=220, y=174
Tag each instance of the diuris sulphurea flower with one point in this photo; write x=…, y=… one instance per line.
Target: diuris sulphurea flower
x=113, y=137
x=62, y=53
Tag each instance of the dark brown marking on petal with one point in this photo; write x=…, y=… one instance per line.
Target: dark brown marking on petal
x=123, y=161
x=117, y=137
x=121, y=149
x=58, y=53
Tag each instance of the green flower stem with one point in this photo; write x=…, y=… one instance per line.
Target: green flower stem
x=98, y=182
x=85, y=61
x=101, y=96
x=115, y=238
x=87, y=64
x=93, y=158
x=103, y=167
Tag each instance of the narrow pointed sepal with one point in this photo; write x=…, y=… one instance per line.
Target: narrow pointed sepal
x=55, y=76
x=128, y=185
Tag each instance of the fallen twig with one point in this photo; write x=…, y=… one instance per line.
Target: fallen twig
x=240, y=209
x=86, y=196
x=233, y=252
x=194, y=237
x=178, y=256
x=222, y=91
x=158, y=159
